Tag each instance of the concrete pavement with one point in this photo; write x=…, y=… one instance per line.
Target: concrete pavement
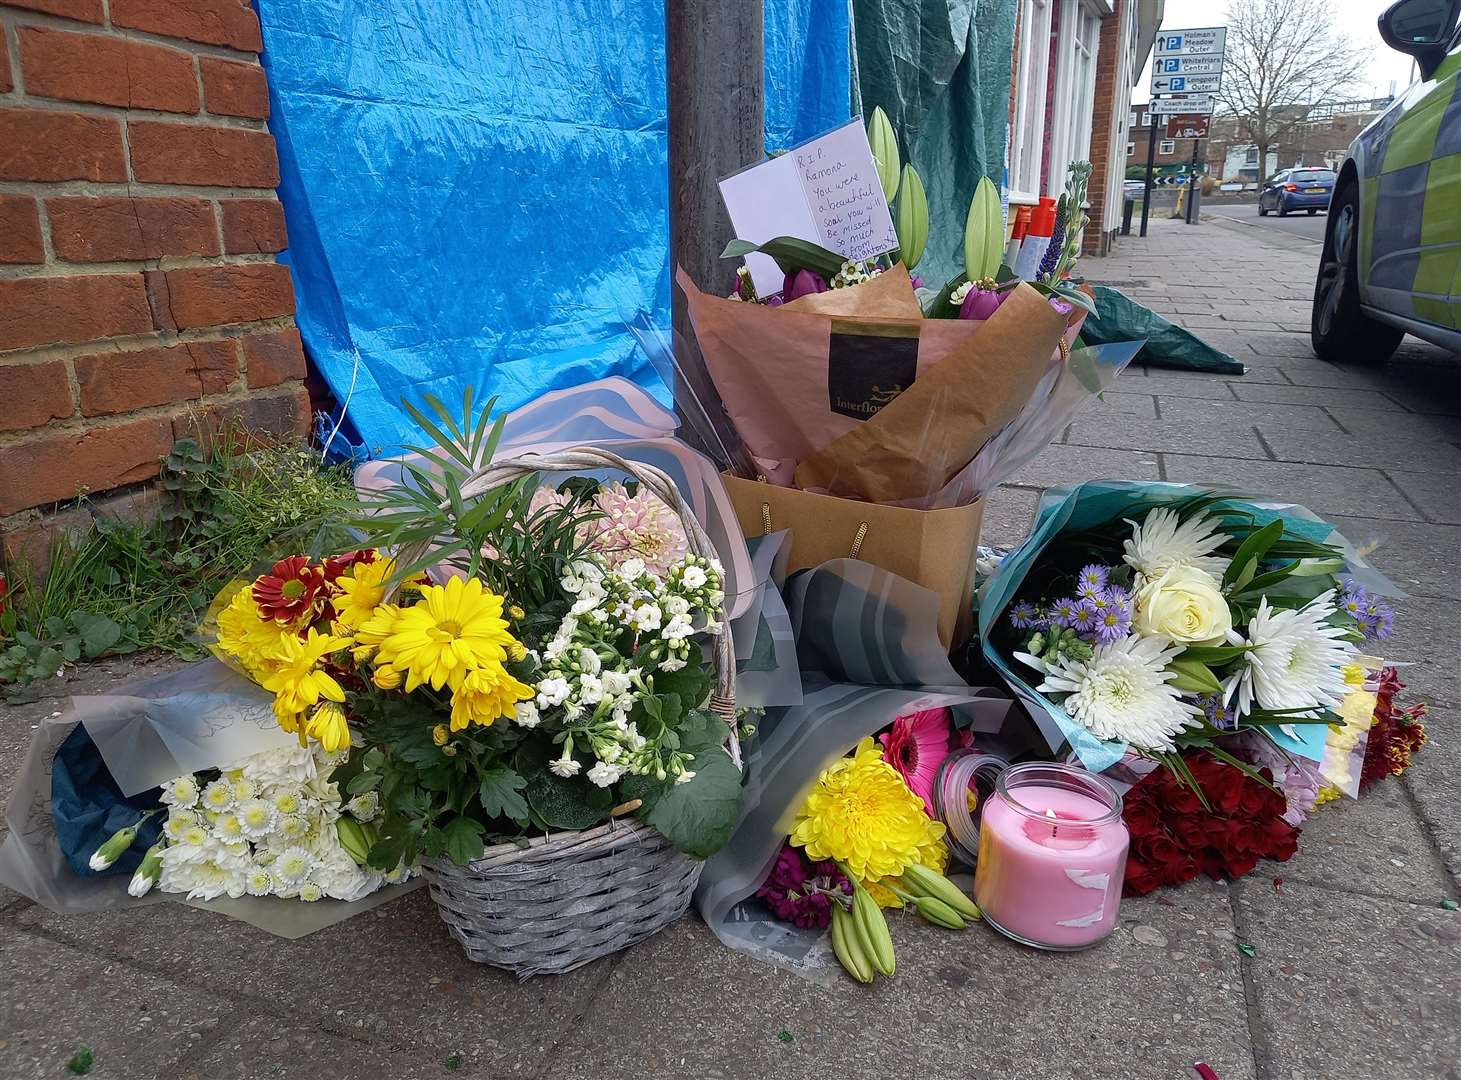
x=1299, y=223
x=1348, y=966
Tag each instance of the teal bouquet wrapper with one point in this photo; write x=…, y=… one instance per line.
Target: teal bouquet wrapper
x=1091, y=505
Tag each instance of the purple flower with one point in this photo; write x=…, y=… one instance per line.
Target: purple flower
x=1057, y=243
x=1023, y=616
x=1112, y=624
x=1061, y=307
x=1063, y=612
x=802, y=283
x=1378, y=620
x=1092, y=580
x=1087, y=615
x=1118, y=597
x=1218, y=714
x=917, y=281
x=791, y=889
x=980, y=304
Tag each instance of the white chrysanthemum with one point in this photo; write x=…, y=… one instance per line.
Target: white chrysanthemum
x=218, y=796
x=181, y=793
x=258, y=881
x=179, y=821
x=365, y=806
x=257, y=818
x=202, y=880
x=1122, y=692
x=244, y=789
x=292, y=866
x=309, y=892
x=283, y=765
x=194, y=835
x=288, y=800
x=1163, y=541
x=292, y=828
x=1297, y=660
x=228, y=828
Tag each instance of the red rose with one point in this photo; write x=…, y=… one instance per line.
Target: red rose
x=1142, y=817
x=1190, y=831
x=1140, y=878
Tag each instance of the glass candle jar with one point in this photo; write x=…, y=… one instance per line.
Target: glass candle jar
x=1052, y=856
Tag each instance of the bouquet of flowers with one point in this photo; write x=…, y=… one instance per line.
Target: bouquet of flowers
x=528, y=660
x=1174, y=618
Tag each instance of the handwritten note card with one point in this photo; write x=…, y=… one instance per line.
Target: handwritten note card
x=825, y=190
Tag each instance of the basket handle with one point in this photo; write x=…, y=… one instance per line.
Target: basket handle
x=589, y=458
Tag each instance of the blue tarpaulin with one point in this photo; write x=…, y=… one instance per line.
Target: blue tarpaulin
x=476, y=193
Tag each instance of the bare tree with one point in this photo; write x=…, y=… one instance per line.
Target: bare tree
x=1283, y=56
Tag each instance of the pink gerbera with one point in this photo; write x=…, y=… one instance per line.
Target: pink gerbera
x=916, y=745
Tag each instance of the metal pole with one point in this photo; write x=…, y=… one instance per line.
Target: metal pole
x=1151, y=158
x=1192, y=184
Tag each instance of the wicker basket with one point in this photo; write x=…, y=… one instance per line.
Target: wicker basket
x=562, y=900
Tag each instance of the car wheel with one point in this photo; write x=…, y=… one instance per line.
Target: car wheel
x=1262, y=210
x=1339, y=331
x=1282, y=207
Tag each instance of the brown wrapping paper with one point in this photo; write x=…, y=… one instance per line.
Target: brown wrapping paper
x=916, y=442
x=932, y=548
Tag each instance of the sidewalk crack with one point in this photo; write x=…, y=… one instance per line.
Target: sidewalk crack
x=1258, y=1042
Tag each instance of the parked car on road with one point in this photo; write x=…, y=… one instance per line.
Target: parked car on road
x=1391, y=261
x=1296, y=189
x=1133, y=189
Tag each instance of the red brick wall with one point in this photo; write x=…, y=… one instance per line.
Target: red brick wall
x=139, y=292
x=1108, y=98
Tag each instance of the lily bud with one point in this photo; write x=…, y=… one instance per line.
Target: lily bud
x=114, y=847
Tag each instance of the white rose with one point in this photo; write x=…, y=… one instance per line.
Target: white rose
x=646, y=617
x=677, y=605
x=616, y=683
x=552, y=692
x=694, y=577
x=1184, y=604
x=590, y=689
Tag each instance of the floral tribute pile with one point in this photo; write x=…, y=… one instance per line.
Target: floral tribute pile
x=1232, y=650
x=530, y=661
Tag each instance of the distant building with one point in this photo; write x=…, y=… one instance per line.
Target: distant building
x=1169, y=152
x=1320, y=138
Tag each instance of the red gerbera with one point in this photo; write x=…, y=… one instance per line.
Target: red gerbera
x=1396, y=734
x=292, y=589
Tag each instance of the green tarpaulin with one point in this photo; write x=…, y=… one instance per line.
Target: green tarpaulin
x=1120, y=318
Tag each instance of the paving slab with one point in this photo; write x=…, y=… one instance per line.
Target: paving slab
x=1352, y=986
x=1008, y=512
x=394, y=970
x=1362, y=421
x=963, y=1004
x=1325, y=489
x=266, y=1049
x=1246, y=414
x=55, y=999
x=1394, y=451
x=1434, y=493
x=1134, y=403
x=1433, y=783
x=1424, y=559
x=1059, y=465
x=1165, y=384
x=1170, y=436
x=1317, y=395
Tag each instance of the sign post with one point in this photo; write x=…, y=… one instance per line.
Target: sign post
x=1187, y=70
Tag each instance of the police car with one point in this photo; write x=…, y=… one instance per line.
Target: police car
x=1391, y=262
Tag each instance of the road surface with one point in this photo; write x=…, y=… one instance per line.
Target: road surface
x=1298, y=223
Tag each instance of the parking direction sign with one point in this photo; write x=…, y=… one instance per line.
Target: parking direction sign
x=1204, y=41
x=1173, y=106
x=1188, y=65
x=1186, y=84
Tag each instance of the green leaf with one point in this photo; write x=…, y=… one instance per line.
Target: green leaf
x=1194, y=677
x=1214, y=654
x=983, y=233
x=884, y=143
x=1268, y=580
x=942, y=306
x=500, y=792
x=463, y=840
x=912, y=220
x=388, y=851
x=1253, y=549
x=1246, y=949
x=559, y=802
x=697, y=816
x=791, y=254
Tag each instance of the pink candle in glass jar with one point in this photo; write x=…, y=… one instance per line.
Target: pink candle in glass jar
x=1052, y=856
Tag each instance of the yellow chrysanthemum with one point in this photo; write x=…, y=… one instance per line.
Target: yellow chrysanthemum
x=1354, y=675
x=485, y=695
x=361, y=592
x=456, y=628
x=1327, y=794
x=369, y=634
x=248, y=638
x=327, y=726
x=387, y=677
x=862, y=814
x=299, y=684
x=1358, y=710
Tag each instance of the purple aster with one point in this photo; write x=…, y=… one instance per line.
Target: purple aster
x=1120, y=598
x=1218, y=714
x=1352, y=600
x=1023, y=615
x=1378, y=619
x=1092, y=580
x=1087, y=615
x=1063, y=612
x=1112, y=624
